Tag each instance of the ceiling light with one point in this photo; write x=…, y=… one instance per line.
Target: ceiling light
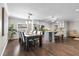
x=76, y=9
x=54, y=19
x=29, y=22
x=26, y=22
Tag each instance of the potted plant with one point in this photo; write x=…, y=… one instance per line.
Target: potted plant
x=12, y=31
x=42, y=28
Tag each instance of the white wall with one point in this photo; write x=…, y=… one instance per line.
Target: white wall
x=50, y=26
x=74, y=25
x=4, y=39
x=46, y=24
x=16, y=21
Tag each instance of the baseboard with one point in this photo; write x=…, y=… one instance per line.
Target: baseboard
x=4, y=48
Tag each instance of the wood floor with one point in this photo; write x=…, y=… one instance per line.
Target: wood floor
x=70, y=47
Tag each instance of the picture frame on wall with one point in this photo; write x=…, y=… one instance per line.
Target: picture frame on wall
x=3, y=21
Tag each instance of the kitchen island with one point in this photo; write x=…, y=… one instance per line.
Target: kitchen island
x=49, y=36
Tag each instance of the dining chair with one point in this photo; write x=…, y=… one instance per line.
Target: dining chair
x=59, y=37
x=22, y=41
x=29, y=42
x=36, y=40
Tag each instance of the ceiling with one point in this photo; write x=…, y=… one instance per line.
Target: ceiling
x=44, y=11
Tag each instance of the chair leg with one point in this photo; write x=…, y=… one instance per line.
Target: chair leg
x=36, y=43
x=30, y=45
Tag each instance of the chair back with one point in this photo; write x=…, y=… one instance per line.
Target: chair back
x=21, y=36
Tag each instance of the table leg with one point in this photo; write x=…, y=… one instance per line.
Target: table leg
x=40, y=41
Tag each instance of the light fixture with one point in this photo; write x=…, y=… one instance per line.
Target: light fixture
x=29, y=15
x=29, y=22
x=26, y=22
x=53, y=19
x=29, y=19
x=76, y=9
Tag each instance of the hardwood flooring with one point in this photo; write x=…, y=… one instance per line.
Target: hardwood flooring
x=69, y=47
